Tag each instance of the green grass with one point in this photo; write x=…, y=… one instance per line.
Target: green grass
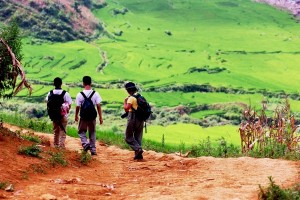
x=206, y=33
x=47, y=61
x=205, y=113
x=189, y=135
x=211, y=27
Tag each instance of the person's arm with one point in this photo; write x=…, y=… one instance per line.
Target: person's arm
x=76, y=113
x=99, y=113
x=69, y=100
x=126, y=105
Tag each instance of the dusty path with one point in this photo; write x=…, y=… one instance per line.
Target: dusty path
x=115, y=175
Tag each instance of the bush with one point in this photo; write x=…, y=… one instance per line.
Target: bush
x=206, y=148
x=57, y=158
x=274, y=192
x=32, y=138
x=32, y=150
x=3, y=185
x=85, y=158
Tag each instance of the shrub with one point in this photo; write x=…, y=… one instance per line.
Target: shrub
x=3, y=185
x=32, y=150
x=206, y=148
x=57, y=158
x=85, y=158
x=120, y=11
x=274, y=192
x=77, y=65
x=31, y=137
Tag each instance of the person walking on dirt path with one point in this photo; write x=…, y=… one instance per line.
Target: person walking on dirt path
x=134, y=128
x=85, y=104
x=58, y=105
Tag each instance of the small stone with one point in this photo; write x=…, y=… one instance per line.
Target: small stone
x=48, y=197
x=9, y=188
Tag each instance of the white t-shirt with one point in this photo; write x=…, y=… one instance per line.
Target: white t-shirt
x=67, y=97
x=96, y=98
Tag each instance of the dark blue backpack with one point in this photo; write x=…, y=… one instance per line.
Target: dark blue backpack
x=87, y=109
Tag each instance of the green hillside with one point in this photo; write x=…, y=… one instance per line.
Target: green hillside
x=212, y=57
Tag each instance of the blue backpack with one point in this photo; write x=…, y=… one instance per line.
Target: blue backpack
x=87, y=109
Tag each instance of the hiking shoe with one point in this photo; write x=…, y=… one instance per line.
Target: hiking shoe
x=138, y=154
x=138, y=157
x=87, y=147
x=93, y=153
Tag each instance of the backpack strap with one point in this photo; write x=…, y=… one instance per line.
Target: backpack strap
x=135, y=96
x=84, y=96
x=92, y=94
x=63, y=93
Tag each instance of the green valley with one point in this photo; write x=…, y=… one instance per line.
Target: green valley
x=198, y=62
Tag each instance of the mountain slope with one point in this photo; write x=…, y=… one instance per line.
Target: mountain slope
x=57, y=20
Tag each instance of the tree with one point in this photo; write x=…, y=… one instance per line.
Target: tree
x=10, y=56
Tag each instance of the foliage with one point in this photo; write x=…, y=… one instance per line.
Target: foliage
x=57, y=157
x=31, y=137
x=206, y=148
x=12, y=36
x=85, y=158
x=54, y=21
x=26, y=122
x=270, y=137
x=32, y=150
x=3, y=185
x=274, y=192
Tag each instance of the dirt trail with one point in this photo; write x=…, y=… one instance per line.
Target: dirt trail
x=115, y=175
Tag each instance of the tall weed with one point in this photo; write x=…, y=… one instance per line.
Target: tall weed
x=275, y=137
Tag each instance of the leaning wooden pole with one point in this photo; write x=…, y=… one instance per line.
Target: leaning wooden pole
x=17, y=70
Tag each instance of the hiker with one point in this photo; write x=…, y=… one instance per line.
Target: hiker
x=134, y=129
x=85, y=103
x=58, y=105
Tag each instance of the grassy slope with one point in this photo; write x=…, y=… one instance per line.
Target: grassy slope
x=205, y=27
x=204, y=33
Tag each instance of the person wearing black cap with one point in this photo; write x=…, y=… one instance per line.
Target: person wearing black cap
x=134, y=129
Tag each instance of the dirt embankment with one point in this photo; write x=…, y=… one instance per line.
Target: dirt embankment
x=114, y=175
x=293, y=6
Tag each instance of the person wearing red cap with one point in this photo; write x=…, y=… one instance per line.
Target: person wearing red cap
x=134, y=129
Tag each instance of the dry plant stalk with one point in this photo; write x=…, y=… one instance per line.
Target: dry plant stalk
x=17, y=70
x=257, y=130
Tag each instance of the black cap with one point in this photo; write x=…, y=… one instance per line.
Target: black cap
x=130, y=85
